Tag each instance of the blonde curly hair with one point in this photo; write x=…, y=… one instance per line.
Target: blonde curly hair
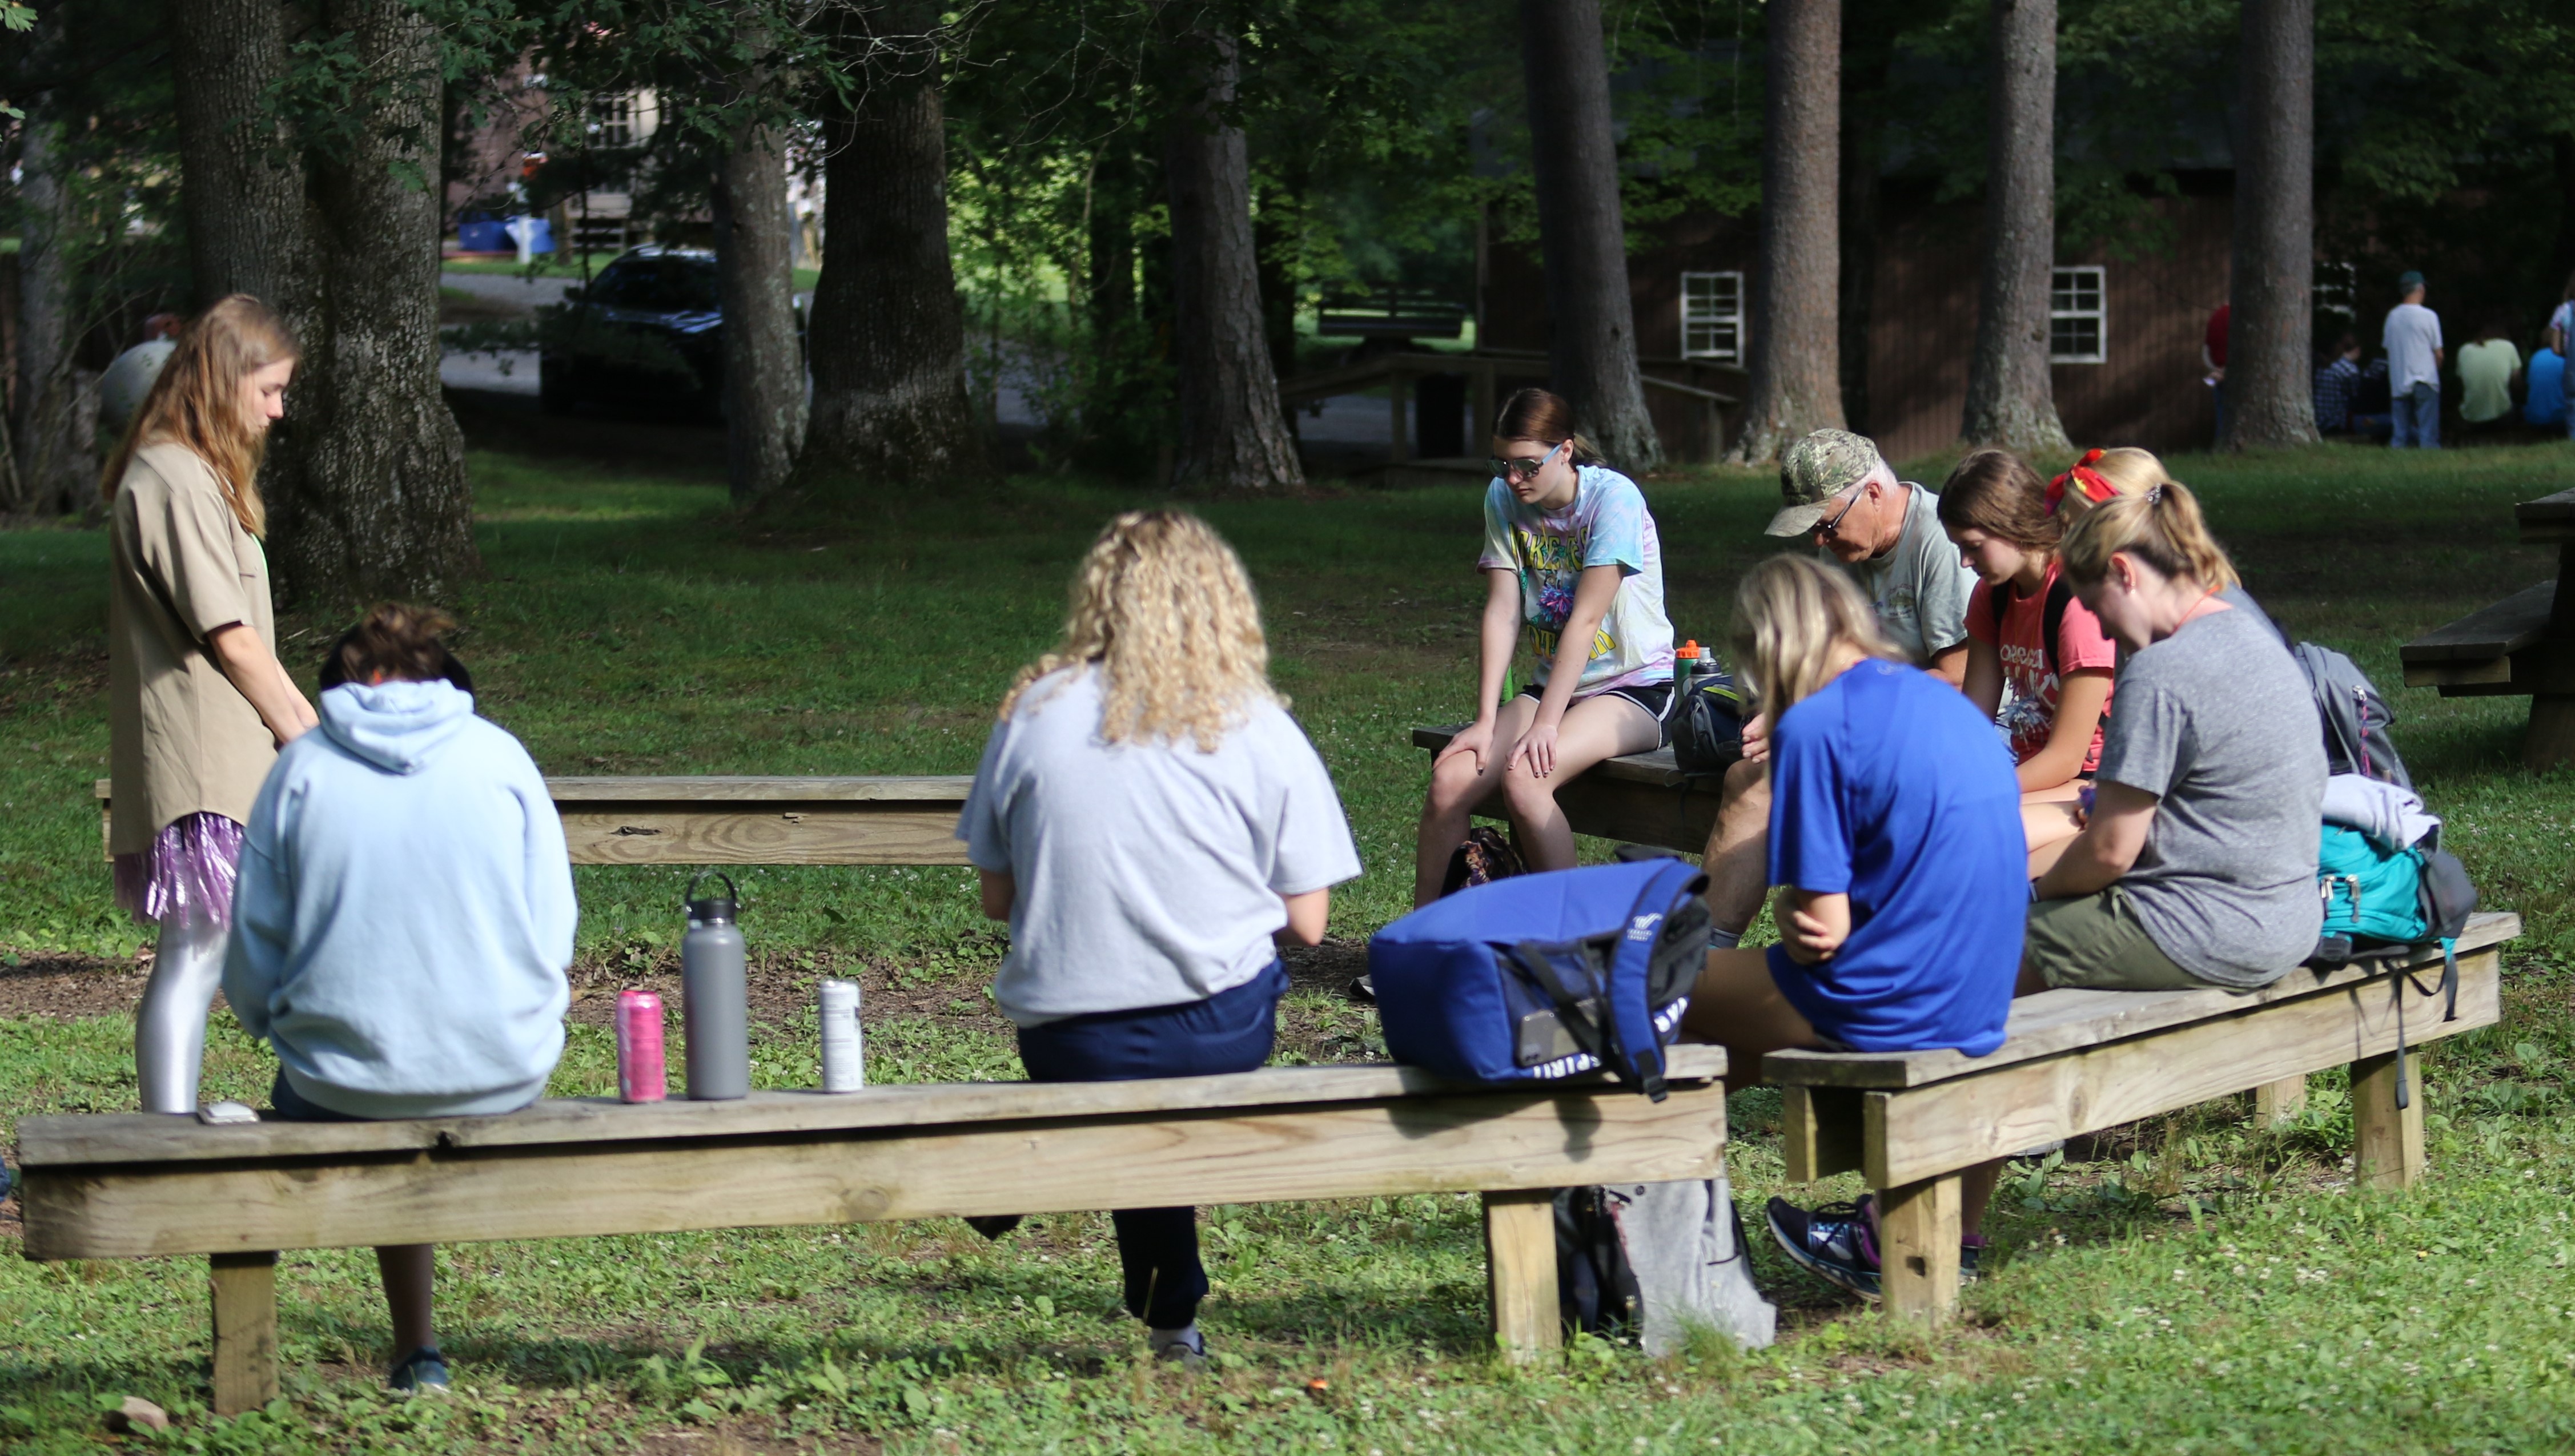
x=1163, y=609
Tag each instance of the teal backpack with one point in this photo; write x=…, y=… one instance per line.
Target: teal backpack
x=2371, y=892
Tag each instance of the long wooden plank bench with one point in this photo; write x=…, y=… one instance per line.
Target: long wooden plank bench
x=131, y=1185
x=2077, y=1061
x=1643, y=799
x=2523, y=646
x=712, y=820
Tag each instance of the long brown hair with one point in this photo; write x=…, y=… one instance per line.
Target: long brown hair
x=1542, y=414
x=196, y=402
x=2162, y=527
x=1163, y=610
x=1996, y=492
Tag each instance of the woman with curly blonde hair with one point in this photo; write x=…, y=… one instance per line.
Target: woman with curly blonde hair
x=1151, y=823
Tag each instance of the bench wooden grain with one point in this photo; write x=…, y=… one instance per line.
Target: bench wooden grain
x=133, y=1185
x=1641, y=799
x=2523, y=646
x=2077, y=1061
x=717, y=820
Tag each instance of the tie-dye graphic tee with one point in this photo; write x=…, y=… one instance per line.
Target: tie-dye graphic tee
x=1605, y=525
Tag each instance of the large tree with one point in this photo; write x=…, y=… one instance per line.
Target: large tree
x=51, y=467
x=2269, y=372
x=764, y=364
x=1233, y=434
x=888, y=336
x=1573, y=154
x=2010, y=401
x=1795, y=343
x=309, y=185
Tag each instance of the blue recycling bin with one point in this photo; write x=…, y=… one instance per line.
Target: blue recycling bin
x=482, y=233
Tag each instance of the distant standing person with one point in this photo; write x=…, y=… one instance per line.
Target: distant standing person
x=2487, y=369
x=197, y=702
x=2561, y=339
x=2412, y=338
x=2212, y=360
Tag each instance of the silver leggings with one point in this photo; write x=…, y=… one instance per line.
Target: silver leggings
x=170, y=1027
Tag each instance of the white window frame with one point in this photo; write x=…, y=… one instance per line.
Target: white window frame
x=1726, y=325
x=2099, y=312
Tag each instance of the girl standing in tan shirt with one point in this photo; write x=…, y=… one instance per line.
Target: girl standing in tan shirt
x=198, y=703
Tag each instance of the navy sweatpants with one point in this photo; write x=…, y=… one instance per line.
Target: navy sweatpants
x=1230, y=1031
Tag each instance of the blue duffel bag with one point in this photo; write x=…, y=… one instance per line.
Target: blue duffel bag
x=1546, y=975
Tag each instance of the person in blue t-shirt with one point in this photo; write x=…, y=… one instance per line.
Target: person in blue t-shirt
x=2545, y=401
x=1898, y=849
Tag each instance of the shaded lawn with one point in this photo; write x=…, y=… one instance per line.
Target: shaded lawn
x=2183, y=1285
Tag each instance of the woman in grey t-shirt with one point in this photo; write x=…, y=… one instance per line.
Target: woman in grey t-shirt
x=2197, y=864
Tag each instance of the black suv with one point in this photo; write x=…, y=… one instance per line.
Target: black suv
x=647, y=330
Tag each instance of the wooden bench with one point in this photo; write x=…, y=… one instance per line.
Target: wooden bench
x=2077, y=1061
x=899, y=819
x=1643, y=799
x=2523, y=646
x=131, y=1185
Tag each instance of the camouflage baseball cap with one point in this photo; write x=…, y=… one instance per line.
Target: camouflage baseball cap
x=1816, y=469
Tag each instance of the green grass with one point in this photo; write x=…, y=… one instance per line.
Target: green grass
x=2191, y=1286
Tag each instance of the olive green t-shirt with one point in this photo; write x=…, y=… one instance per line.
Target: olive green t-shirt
x=181, y=738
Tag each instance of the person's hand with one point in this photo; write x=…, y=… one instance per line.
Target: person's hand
x=1809, y=939
x=1757, y=737
x=1475, y=737
x=1539, y=747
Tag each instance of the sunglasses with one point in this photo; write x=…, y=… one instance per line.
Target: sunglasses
x=1518, y=470
x=1835, y=526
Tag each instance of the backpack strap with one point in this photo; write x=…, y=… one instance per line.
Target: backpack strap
x=2060, y=594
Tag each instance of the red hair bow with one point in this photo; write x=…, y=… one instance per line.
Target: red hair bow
x=2096, y=487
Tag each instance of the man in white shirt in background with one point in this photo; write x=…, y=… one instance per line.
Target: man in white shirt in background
x=2413, y=341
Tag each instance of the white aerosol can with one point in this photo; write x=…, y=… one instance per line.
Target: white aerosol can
x=845, y=1046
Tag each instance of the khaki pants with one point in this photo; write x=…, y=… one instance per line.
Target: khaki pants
x=2096, y=943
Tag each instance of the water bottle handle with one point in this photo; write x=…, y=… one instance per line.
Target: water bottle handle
x=732, y=891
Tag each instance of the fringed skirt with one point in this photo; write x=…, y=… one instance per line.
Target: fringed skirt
x=187, y=875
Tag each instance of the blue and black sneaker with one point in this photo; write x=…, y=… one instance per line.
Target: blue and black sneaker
x=1836, y=1243
x=423, y=1369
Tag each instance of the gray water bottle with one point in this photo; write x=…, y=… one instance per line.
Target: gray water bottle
x=712, y=995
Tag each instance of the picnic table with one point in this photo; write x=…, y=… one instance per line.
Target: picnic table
x=686, y=820
x=134, y=1185
x=2522, y=647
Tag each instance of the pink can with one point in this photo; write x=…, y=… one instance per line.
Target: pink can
x=641, y=1076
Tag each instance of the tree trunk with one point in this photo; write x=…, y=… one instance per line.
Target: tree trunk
x=1866, y=60
x=764, y=367
x=365, y=476
x=1573, y=159
x=2011, y=399
x=1234, y=433
x=2271, y=374
x=1796, y=353
x=53, y=469
x=887, y=333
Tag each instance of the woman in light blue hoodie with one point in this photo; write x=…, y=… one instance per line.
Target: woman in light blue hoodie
x=404, y=916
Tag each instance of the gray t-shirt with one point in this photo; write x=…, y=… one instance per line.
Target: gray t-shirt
x=2218, y=722
x=1921, y=588
x=1149, y=873
x=2413, y=341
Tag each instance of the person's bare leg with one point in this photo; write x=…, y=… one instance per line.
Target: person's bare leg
x=1738, y=860
x=2050, y=827
x=407, y=1270
x=1457, y=785
x=1737, y=1005
x=1600, y=727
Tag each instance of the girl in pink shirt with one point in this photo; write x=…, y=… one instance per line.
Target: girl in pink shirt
x=2026, y=631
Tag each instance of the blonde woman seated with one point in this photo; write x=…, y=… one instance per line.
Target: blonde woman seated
x=1895, y=843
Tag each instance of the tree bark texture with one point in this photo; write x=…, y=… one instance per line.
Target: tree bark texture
x=764, y=365
x=1233, y=432
x=1583, y=235
x=54, y=472
x=2011, y=399
x=1864, y=130
x=365, y=478
x=1797, y=344
x=888, y=334
x=2271, y=374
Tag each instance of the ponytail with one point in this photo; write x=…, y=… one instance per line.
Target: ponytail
x=1542, y=414
x=2162, y=527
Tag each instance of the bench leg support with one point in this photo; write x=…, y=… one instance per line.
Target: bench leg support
x=1520, y=1260
x=2387, y=1150
x=2278, y=1103
x=245, y=1331
x=1918, y=1225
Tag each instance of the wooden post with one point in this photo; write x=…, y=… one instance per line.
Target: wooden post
x=1519, y=1263
x=2550, y=738
x=1917, y=1228
x=245, y=1331
x=2387, y=1150
x=1398, y=391
x=2276, y=1104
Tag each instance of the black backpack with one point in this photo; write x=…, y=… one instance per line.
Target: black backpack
x=1705, y=724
